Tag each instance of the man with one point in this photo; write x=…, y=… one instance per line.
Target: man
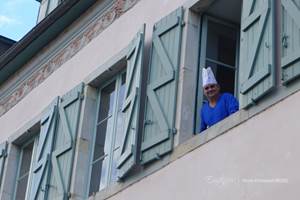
x=219, y=105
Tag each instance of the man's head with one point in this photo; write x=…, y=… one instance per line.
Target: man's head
x=210, y=86
x=211, y=91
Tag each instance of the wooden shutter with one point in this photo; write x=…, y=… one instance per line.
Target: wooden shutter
x=290, y=38
x=256, y=68
x=159, y=120
x=130, y=107
x=3, y=154
x=41, y=165
x=64, y=145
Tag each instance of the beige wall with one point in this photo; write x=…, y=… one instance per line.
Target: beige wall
x=256, y=160
x=116, y=37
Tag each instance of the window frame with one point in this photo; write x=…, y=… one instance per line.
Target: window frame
x=118, y=82
x=34, y=142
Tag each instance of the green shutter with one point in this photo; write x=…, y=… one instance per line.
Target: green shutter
x=3, y=154
x=128, y=158
x=160, y=111
x=64, y=145
x=41, y=163
x=257, y=69
x=290, y=54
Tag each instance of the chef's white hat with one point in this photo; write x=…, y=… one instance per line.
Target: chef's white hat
x=208, y=77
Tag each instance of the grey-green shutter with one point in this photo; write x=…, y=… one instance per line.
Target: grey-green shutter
x=42, y=161
x=290, y=38
x=3, y=154
x=256, y=67
x=64, y=145
x=128, y=158
x=160, y=111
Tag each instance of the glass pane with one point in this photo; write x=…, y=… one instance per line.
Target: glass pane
x=52, y=5
x=221, y=43
x=43, y=10
x=103, y=138
x=21, y=188
x=106, y=101
x=95, y=177
x=120, y=129
x=122, y=92
x=116, y=155
x=100, y=140
x=120, y=115
x=104, y=173
x=26, y=159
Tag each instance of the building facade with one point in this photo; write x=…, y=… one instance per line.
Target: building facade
x=101, y=100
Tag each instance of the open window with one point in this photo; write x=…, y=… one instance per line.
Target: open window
x=46, y=7
x=25, y=164
x=115, y=142
x=109, y=132
x=219, y=47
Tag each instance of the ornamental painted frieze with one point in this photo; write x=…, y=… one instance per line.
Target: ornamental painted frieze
x=80, y=41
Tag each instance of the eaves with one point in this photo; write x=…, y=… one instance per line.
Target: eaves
x=44, y=32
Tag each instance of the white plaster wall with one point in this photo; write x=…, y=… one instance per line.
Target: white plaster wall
x=102, y=48
x=241, y=164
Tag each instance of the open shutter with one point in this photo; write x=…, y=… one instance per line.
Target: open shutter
x=290, y=38
x=41, y=165
x=257, y=69
x=128, y=158
x=159, y=120
x=64, y=145
x=3, y=154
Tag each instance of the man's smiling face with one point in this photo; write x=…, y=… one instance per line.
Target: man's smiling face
x=211, y=90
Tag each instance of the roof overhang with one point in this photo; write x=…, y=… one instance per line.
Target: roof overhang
x=44, y=32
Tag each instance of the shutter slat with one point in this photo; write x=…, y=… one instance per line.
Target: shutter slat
x=128, y=157
x=257, y=61
x=64, y=147
x=160, y=110
x=3, y=154
x=290, y=62
x=41, y=166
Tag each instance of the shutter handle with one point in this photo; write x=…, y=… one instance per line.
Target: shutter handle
x=157, y=156
x=253, y=102
x=267, y=45
x=284, y=40
x=148, y=122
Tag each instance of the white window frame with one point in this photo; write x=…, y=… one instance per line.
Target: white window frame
x=118, y=83
x=33, y=140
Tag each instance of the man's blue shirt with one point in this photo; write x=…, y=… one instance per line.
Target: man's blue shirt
x=226, y=105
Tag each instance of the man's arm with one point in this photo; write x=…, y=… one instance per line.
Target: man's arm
x=232, y=104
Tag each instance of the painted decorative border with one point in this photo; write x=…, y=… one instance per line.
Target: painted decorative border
x=93, y=30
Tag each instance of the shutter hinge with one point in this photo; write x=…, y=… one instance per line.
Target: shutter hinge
x=173, y=131
x=81, y=95
x=284, y=40
x=182, y=24
x=148, y=122
x=253, y=102
x=157, y=156
x=283, y=76
x=267, y=45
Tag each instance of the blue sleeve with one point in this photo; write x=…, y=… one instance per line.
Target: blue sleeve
x=232, y=104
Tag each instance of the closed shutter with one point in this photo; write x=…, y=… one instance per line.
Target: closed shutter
x=290, y=36
x=159, y=120
x=257, y=69
x=42, y=161
x=3, y=154
x=64, y=145
x=130, y=107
